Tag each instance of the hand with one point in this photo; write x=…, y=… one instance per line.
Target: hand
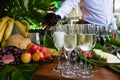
x=50, y=20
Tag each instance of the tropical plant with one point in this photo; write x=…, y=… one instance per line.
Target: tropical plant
x=25, y=9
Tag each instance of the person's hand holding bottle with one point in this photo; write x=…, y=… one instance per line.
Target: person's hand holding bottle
x=49, y=20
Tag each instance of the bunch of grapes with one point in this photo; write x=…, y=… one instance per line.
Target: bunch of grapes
x=10, y=55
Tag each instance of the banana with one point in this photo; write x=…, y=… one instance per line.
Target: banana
x=2, y=31
x=8, y=31
x=26, y=24
x=3, y=20
x=3, y=44
x=21, y=28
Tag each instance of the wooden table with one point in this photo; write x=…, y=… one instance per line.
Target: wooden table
x=46, y=73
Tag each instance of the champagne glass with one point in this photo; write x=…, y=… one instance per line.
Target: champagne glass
x=70, y=41
x=58, y=37
x=86, y=41
x=97, y=28
x=109, y=30
x=74, y=52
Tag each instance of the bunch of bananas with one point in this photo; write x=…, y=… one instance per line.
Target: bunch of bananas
x=6, y=28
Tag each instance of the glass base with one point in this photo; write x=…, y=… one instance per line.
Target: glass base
x=85, y=74
x=58, y=69
x=68, y=74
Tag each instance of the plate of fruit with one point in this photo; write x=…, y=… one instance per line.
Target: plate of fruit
x=33, y=53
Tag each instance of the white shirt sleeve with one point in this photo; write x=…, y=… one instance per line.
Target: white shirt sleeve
x=119, y=1
x=113, y=24
x=67, y=7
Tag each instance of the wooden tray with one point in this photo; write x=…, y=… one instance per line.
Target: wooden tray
x=46, y=73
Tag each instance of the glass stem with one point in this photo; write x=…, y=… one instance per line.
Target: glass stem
x=68, y=61
x=85, y=62
x=59, y=62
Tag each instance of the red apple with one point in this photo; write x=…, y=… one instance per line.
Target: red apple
x=38, y=56
x=40, y=48
x=32, y=48
x=46, y=53
x=30, y=45
x=26, y=57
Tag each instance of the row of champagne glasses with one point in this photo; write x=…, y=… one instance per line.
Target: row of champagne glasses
x=86, y=41
x=72, y=36
x=103, y=33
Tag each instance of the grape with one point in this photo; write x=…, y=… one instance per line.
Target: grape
x=3, y=51
x=16, y=52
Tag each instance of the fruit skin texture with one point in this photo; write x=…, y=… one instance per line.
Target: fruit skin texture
x=46, y=53
x=2, y=32
x=26, y=24
x=32, y=48
x=37, y=56
x=21, y=28
x=26, y=57
x=8, y=59
x=3, y=21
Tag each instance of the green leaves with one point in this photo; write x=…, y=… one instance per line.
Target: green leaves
x=48, y=42
x=18, y=9
x=115, y=68
x=114, y=42
x=11, y=72
x=18, y=72
x=4, y=74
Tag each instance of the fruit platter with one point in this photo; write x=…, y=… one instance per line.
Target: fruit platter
x=31, y=57
x=18, y=54
x=15, y=61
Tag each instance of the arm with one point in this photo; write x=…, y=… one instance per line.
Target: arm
x=67, y=7
x=52, y=18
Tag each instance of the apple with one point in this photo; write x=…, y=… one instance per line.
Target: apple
x=38, y=56
x=39, y=48
x=26, y=57
x=46, y=53
x=30, y=45
x=32, y=48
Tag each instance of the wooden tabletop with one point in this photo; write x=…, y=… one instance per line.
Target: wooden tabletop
x=45, y=73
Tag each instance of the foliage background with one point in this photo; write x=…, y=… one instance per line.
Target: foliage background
x=25, y=9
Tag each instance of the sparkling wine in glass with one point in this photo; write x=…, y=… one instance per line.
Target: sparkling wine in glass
x=70, y=41
x=58, y=37
x=86, y=41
